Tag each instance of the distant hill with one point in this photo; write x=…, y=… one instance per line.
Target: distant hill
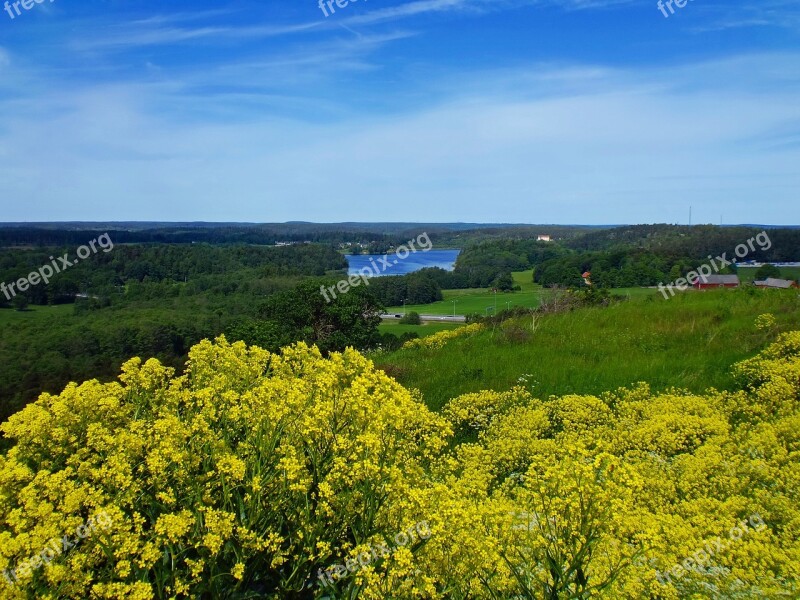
x=696, y=241
x=453, y=234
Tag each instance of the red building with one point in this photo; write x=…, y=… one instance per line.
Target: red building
x=717, y=281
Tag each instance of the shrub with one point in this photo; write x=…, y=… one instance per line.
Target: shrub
x=766, y=271
x=411, y=318
x=437, y=340
x=242, y=478
x=252, y=473
x=20, y=302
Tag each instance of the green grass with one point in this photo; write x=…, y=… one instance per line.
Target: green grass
x=474, y=301
x=422, y=330
x=477, y=300
x=636, y=292
x=524, y=279
x=689, y=342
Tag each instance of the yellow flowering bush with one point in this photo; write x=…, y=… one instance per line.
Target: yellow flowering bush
x=475, y=412
x=765, y=321
x=581, y=496
x=253, y=473
x=437, y=340
x=242, y=477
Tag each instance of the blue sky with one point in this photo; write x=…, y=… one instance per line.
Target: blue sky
x=536, y=111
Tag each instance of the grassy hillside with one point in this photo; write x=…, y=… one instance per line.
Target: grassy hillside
x=689, y=342
x=474, y=301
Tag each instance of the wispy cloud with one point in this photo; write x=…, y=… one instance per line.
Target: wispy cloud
x=784, y=14
x=269, y=114
x=582, y=143
x=139, y=34
x=162, y=29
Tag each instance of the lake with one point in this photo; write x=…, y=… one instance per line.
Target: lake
x=444, y=259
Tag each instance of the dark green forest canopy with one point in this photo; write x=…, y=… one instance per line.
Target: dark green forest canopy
x=159, y=300
x=695, y=242
x=378, y=235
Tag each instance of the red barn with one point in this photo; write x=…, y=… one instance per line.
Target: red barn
x=717, y=281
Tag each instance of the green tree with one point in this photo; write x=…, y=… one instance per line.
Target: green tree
x=504, y=282
x=411, y=318
x=20, y=302
x=350, y=320
x=766, y=271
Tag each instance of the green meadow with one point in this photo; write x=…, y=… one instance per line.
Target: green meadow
x=688, y=342
x=481, y=300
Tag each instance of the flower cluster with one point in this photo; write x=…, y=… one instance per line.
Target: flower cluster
x=56, y=547
x=252, y=473
x=765, y=321
x=437, y=340
x=376, y=551
x=249, y=472
x=702, y=556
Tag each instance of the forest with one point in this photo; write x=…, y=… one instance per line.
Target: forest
x=159, y=300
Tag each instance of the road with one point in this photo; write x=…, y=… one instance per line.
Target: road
x=436, y=318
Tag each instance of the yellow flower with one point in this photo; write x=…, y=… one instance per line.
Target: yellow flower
x=341, y=460
x=174, y=526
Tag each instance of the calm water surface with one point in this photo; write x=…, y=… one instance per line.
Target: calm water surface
x=444, y=259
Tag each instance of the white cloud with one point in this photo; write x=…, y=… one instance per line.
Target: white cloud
x=582, y=143
x=164, y=30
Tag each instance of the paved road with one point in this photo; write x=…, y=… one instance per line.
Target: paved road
x=436, y=318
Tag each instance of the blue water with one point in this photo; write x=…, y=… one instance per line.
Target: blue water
x=444, y=259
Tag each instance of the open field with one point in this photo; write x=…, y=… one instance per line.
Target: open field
x=473, y=301
x=524, y=279
x=484, y=302
x=689, y=342
x=478, y=300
